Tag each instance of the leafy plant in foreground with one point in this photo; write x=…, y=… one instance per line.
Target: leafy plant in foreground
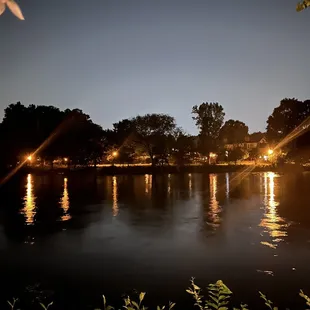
x=218, y=298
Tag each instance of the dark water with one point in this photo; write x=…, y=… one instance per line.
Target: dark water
x=82, y=237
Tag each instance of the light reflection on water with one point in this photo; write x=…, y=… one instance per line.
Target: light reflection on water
x=227, y=185
x=29, y=209
x=64, y=202
x=158, y=231
x=148, y=183
x=115, y=208
x=214, y=218
x=274, y=225
x=190, y=184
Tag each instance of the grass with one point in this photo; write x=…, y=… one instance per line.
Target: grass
x=217, y=298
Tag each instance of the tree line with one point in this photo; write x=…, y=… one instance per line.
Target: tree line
x=50, y=133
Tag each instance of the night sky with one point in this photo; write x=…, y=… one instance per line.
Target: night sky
x=118, y=58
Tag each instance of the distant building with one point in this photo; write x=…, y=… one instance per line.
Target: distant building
x=250, y=142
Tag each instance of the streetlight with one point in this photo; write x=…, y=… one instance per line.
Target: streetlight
x=270, y=152
x=65, y=159
x=29, y=158
x=115, y=154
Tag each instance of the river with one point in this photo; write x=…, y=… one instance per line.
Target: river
x=77, y=238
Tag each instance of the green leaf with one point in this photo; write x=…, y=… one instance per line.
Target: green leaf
x=211, y=304
x=223, y=308
x=215, y=299
x=104, y=300
x=135, y=304
x=190, y=291
x=141, y=296
x=127, y=301
x=196, y=287
x=171, y=305
x=43, y=306
x=158, y=308
x=244, y=306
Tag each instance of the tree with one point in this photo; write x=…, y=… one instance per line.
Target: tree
x=254, y=154
x=122, y=134
x=235, y=154
x=151, y=133
x=182, y=148
x=209, y=119
x=289, y=124
x=233, y=132
x=302, y=5
x=50, y=133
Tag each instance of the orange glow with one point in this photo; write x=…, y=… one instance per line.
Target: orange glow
x=115, y=209
x=66, y=159
x=148, y=183
x=270, y=152
x=115, y=154
x=214, y=213
x=29, y=209
x=64, y=202
x=29, y=158
x=273, y=224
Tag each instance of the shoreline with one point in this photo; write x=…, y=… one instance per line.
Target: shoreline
x=160, y=170
x=142, y=170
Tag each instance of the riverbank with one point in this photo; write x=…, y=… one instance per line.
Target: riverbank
x=143, y=169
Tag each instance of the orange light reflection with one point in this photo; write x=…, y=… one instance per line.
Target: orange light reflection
x=115, y=208
x=64, y=202
x=29, y=209
x=274, y=225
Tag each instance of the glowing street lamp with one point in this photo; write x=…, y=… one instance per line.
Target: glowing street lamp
x=29, y=158
x=65, y=159
x=270, y=152
x=115, y=154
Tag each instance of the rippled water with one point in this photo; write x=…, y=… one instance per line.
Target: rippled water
x=114, y=234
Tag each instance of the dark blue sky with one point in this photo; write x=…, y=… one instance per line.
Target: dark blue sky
x=118, y=58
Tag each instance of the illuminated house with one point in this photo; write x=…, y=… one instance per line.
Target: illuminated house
x=250, y=142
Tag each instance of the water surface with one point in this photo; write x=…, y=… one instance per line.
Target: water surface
x=87, y=236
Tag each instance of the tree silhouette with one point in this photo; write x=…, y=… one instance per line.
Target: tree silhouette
x=291, y=116
x=209, y=119
x=50, y=133
x=152, y=133
x=233, y=132
x=235, y=154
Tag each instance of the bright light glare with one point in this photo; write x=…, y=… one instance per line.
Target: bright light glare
x=115, y=154
x=29, y=158
x=270, y=152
